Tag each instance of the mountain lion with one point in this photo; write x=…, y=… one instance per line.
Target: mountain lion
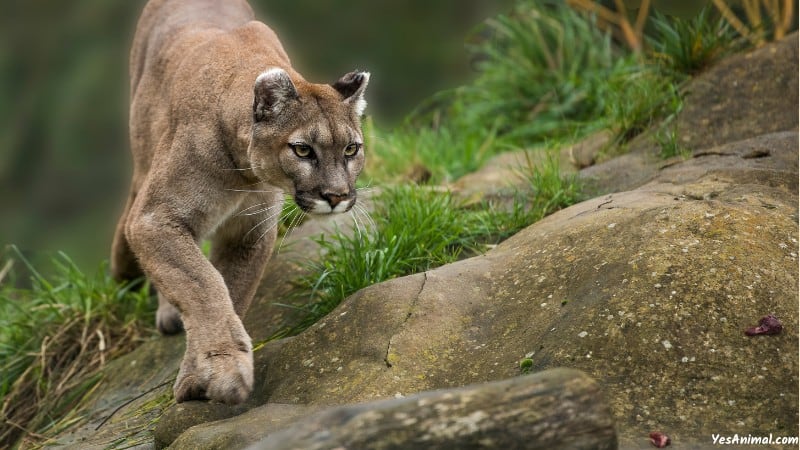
x=221, y=127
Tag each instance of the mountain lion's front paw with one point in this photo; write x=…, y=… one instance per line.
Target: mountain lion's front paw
x=225, y=375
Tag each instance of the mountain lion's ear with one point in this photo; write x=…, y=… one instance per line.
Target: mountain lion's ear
x=273, y=89
x=352, y=86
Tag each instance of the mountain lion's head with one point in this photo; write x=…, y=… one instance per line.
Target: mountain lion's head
x=306, y=138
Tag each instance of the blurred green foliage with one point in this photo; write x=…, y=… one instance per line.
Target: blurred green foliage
x=691, y=45
x=64, y=161
x=413, y=48
x=545, y=74
x=63, y=130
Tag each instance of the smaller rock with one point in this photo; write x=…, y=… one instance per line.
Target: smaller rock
x=555, y=409
x=185, y=415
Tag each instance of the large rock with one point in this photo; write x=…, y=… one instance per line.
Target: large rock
x=649, y=291
x=647, y=288
x=744, y=96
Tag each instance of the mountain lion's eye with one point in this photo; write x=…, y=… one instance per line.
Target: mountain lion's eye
x=351, y=149
x=302, y=150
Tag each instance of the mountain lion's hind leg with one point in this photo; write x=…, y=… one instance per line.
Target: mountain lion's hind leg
x=124, y=266
x=168, y=318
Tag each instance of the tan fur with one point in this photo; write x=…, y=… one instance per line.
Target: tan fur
x=215, y=111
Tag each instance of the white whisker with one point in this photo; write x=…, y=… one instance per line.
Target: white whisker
x=253, y=190
x=357, y=226
x=242, y=169
x=250, y=207
x=367, y=215
x=274, y=225
x=296, y=221
x=268, y=208
x=262, y=222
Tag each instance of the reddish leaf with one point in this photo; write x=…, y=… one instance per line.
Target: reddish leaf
x=767, y=325
x=659, y=439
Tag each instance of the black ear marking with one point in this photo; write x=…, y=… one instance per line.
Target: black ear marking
x=272, y=90
x=349, y=84
x=352, y=86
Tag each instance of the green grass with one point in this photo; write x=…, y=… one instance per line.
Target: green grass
x=446, y=151
x=546, y=77
x=414, y=229
x=542, y=73
x=545, y=73
x=669, y=144
x=640, y=97
x=688, y=46
x=552, y=189
x=55, y=335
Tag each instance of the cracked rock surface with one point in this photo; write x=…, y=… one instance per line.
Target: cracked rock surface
x=648, y=291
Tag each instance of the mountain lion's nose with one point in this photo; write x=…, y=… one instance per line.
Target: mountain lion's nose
x=335, y=199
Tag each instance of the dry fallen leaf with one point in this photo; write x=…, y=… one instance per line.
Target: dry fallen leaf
x=767, y=325
x=659, y=439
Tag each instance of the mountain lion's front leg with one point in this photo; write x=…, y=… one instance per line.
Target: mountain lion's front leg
x=218, y=363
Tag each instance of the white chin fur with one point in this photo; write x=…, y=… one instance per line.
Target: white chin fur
x=342, y=207
x=323, y=207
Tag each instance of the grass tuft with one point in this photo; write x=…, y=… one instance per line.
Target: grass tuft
x=669, y=144
x=688, y=46
x=54, y=336
x=542, y=70
x=552, y=189
x=546, y=73
x=417, y=228
x=639, y=97
x=445, y=150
